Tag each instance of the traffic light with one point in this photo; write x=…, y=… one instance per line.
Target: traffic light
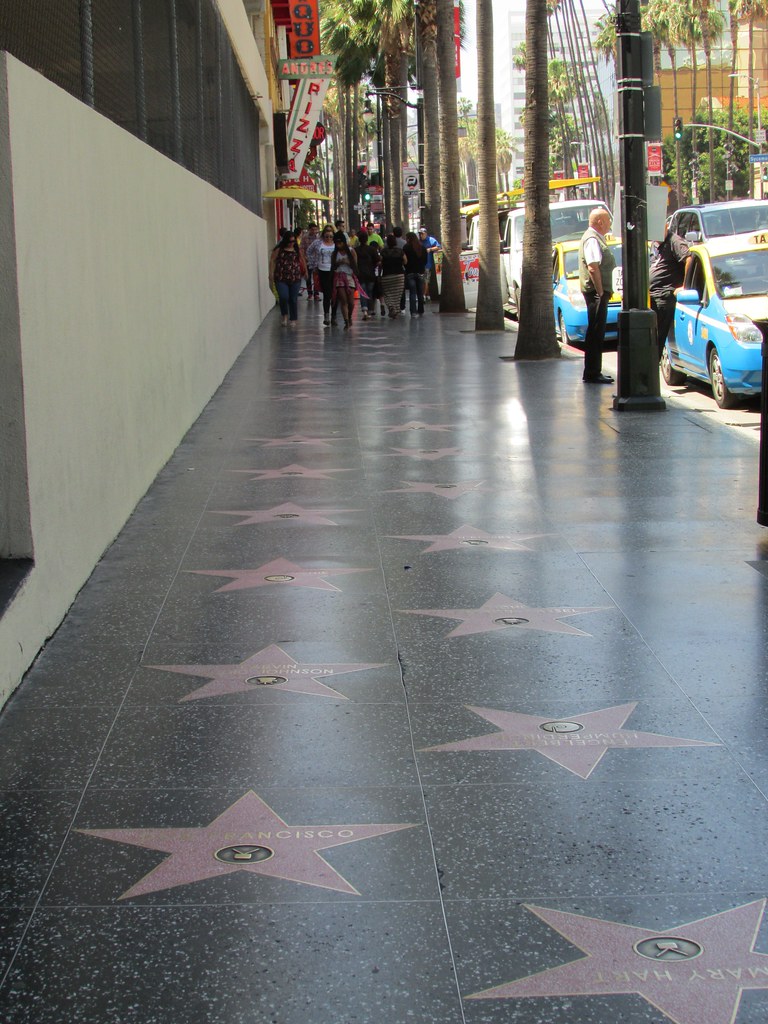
x=677, y=125
x=362, y=176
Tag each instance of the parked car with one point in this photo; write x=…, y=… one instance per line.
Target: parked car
x=721, y=318
x=569, y=305
x=715, y=220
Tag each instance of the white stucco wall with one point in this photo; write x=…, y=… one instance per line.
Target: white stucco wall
x=138, y=285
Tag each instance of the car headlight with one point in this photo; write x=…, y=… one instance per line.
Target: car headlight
x=576, y=298
x=744, y=330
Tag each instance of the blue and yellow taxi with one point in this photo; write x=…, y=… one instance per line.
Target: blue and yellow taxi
x=569, y=305
x=721, y=318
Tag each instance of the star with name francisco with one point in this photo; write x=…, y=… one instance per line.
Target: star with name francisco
x=294, y=470
x=575, y=742
x=469, y=538
x=449, y=490
x=424, y=454
x=418, y=425
x=692, y=973
x=272, y=668
x=286, y=511
x=293, y=439
x=278, y=572
x=247, y=836
x=502, y=612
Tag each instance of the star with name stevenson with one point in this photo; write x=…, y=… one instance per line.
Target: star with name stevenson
x=294, y=470
x=470, y=538
x=575, y=742
x=692, y=973
x=247, y=836
x=278, y=572
x=286, y=511
x=270, y=667
x=502, y=612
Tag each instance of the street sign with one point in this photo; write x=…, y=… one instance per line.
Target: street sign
x=758, y=158
x=655, y=165
x=410, y=179
x=582, y=170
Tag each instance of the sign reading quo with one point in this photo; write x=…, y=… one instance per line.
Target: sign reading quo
x=306, y=28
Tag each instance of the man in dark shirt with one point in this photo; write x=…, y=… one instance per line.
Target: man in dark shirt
x=666, y=278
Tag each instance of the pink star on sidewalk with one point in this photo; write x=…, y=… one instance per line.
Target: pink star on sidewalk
x=470, y=538
x=286, y=511
x=279, y=572
x=426, y=454
x=502, y=612
x=576, y=742
x=247, y=836
x=270, y=667
x=693, y=973
x=295, y=439
x=449, y=490
x=418, y=425
x=294, y=470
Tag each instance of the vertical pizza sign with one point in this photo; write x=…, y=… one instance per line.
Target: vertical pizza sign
x=312, y=73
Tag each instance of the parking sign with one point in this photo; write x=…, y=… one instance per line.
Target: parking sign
x=410, y=179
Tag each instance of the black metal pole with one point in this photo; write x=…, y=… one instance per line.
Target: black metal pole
x=638, y=373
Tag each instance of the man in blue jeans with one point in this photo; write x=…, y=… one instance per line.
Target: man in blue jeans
x=432, y=246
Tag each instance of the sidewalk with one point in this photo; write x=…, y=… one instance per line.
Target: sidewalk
x=421, y=688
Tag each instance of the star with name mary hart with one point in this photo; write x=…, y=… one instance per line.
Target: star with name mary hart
x=575, y=742
x=288, y=512
x=247, y=836
x=419, y=425
x=294, y=470
x=270, y=667
x=278, y=572
x=692, y=973
x=295, y=439
x=502, y=612
x=469, y=538
x=449, y=491
x=425, y=454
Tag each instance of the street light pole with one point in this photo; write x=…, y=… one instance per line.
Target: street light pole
x=759, y=143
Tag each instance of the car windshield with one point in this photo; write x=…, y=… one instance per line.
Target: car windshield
x=741, y=273
x=572, y=261
x=569, y=222
x=736, y=220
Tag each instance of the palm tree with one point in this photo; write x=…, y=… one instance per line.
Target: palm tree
x=426, y=25
x=451, y=289
x=711, y=23
x=536, y=333
x=490, y=310
x=505, y=154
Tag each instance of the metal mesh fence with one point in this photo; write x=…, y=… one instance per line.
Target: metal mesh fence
x=163, y=70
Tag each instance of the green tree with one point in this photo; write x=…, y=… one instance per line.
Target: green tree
x=536, y=331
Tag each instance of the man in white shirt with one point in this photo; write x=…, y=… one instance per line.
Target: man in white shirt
x=596, y=266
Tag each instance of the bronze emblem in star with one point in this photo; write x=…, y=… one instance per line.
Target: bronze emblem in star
x=425, y=454
x=278, y=572
x=247, y=836
x=502, y=612
x=575, y=742
x=287, y=512
x=271, y=668
x=692, y=973
x=469, y=538
x=294, y=470
x=451, y=491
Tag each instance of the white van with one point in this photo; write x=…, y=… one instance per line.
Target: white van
x=568, y=219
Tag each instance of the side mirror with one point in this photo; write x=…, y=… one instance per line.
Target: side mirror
x=689, y=295
x=693, y=237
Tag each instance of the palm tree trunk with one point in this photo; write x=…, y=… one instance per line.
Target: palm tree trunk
x=536, y=332
x=428, y=30
x=452, y=288
x=490, y=311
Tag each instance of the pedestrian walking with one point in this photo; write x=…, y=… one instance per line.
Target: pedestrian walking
x=392, y=275
x=416, y=265
x=310, y=236
x=368, y=259
x=321, y=252
x=596, y=266
x=344, y=269
x=432, y=246
x=286, y=270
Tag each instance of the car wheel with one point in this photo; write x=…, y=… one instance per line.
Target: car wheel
x=671, y=376
x=565, y=338
x=724, y=398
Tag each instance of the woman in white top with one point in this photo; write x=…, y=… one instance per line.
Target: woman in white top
x=321, y=252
